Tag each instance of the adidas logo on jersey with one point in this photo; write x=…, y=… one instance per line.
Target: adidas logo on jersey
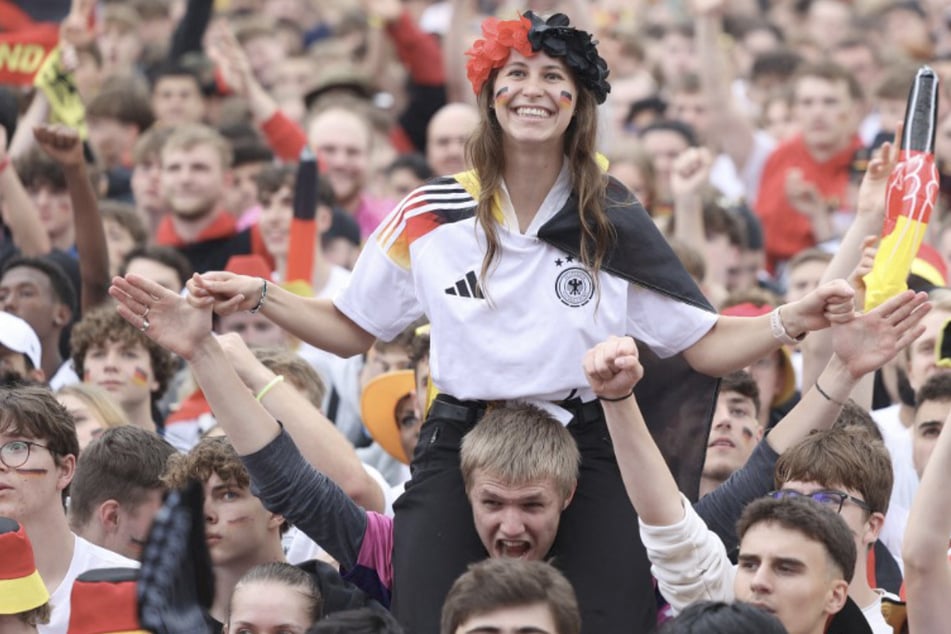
x=467, y=287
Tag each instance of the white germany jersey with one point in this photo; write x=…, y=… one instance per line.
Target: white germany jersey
x=528, y=342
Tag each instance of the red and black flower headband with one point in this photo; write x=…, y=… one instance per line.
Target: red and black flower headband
x=529, y=34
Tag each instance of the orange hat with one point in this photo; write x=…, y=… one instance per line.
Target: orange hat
x=21, y=588
x=104, y=601
x=378, y=408
x=749, y=309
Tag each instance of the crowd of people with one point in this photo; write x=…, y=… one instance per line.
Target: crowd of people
x=446, y=317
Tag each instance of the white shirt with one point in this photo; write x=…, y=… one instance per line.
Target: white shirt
x=86, y=556
x=527, y=340
x=690, y=564
x=873, y=614
x=742, y=182
x=65, y=375
x=898, y=440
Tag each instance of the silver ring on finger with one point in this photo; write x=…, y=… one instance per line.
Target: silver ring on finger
x=145, y=324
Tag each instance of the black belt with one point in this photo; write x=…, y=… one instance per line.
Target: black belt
x=471, y=412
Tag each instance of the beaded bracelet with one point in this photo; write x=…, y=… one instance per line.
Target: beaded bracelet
x=260, y=303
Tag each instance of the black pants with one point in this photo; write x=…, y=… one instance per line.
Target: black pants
x=597, y=547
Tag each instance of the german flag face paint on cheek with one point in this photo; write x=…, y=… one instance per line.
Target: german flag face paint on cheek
x=565, y=100
x=502, y=97
x=31, y=472
x=140, y=377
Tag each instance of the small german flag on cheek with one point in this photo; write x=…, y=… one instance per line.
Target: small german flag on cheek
x=140, y=377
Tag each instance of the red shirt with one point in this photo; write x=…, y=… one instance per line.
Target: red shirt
x=786, y=230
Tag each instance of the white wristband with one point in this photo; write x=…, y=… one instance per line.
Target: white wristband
x=779, y=330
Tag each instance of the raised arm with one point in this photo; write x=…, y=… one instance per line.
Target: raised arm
x=454, y=49
x=688, y=561
x=19, y=212
x=869, y=216
x=736, y=342
x=190, y=30
x=318, y=440
x=731, y=130
x=317, y=321
x=64, y=146
x=613, y=369
x=171, y=321
x=925, y=548
x=860, y=347
x=36, y=113
x=234, y=68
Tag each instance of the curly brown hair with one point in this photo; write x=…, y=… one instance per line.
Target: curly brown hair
x=105, y=324
x=212, y=455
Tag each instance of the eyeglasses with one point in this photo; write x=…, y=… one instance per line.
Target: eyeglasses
x=827, y=497
x=15, y=453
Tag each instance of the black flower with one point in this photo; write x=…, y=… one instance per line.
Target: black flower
x=556, y=38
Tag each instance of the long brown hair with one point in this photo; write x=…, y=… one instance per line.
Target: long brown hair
x=588, y=180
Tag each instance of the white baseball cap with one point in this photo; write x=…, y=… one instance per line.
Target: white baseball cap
x=17, y=335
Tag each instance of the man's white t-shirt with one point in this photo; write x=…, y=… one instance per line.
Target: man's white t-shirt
x=65, y=375
x=898, y=441
x=86, y=556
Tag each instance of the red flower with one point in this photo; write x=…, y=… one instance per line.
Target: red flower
x=491, y=52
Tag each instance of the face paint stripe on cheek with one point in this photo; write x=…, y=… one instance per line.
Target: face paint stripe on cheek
x=502, y=96
x=566, y=99
x=32, y=471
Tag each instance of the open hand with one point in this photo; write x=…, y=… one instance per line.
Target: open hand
x=230, y=60
x=165, y=317
x=612, y=367
x=871, y=340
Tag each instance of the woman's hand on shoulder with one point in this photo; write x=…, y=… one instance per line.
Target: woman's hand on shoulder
x=613, y=367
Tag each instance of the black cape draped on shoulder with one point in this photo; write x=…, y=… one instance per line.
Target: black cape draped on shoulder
x=677, y=401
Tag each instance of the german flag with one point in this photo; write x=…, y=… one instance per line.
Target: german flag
x=911, y=194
